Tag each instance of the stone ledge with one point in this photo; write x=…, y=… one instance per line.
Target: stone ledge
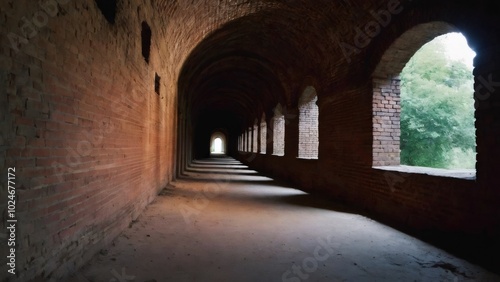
x=467, y=174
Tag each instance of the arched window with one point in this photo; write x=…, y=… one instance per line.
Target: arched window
x=423, y=106
x=308, y=124
x=263, y=134
x=278, y=131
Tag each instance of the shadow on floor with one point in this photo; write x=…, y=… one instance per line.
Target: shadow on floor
x=481, y=252
x=220, y=171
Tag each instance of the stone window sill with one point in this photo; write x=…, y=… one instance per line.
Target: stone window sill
x=467, y=174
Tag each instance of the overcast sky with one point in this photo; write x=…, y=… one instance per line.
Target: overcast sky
x=457, y=48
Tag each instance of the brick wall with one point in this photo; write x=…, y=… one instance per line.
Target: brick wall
x=250, y=139
x=278, y=132
x=359, y=128
x=94, y=143
x=242, y=142
x=263, y=135
x=255, y=133
x=91, y=141
x=308, y=124
x=386, y=121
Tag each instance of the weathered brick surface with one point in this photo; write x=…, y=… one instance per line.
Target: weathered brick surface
x=386, y=122
x=255, y=136
x=359, y=124
x=94, y=143
x=308, y=124
x=263, y=135
x=278, y=132
x=91, y=141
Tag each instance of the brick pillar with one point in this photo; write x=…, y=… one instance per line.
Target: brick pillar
x=250, y=139
x=256, y=137
x=270, y=136
x=263, y=136
x=386, y=121
x=245, y=141
x=487, y=104
x=292, y=132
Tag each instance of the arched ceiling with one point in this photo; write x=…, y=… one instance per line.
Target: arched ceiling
x=245, y=68
x=255, y=54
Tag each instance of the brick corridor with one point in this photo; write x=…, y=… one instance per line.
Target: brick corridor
x=105, y=102
x=224, y=222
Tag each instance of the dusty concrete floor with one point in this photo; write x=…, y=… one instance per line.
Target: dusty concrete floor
x=224, y=222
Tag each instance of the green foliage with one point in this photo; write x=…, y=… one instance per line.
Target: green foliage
x=437, y=116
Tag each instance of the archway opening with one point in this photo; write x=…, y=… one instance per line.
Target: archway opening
x=423, y=106
x=437, y=105
x=218, y=144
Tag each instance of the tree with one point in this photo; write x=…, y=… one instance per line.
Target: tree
x=437, y=110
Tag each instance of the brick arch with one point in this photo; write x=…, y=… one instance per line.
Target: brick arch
x=404, y=47
x=72, y=77
x=309, y=94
